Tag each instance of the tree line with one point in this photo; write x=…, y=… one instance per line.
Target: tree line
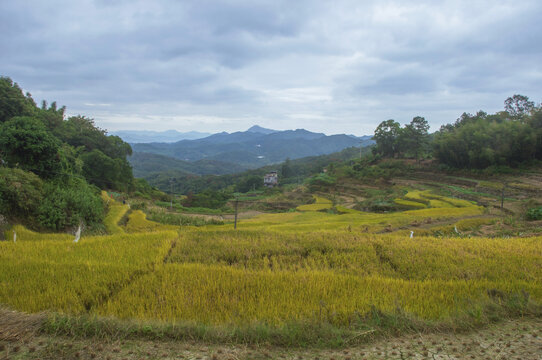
x=507, y=138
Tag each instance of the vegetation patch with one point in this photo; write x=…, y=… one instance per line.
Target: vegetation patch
x=319, y=204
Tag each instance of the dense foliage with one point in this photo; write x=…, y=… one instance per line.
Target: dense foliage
x=207, y=199
x=482, y=140
x=48, y=161
x=507, y=138
x=67, y=205
x=290, y=172
x=411, y=140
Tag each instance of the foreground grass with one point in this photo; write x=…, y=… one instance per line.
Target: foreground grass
x=28, y=337
x=373, y=325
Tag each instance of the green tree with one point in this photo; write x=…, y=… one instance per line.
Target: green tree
x=416, y=137
x=249, y=182
x=483, y=140
x=286, y=170
x=518, y=105
x=26, y=143
x=107, y=173
x=21, y=192
x=386, y=136
x=68, y=204
x=13, y=102
x=51, y=116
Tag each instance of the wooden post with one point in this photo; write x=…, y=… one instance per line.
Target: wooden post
x=502, y=197
x=235, y=222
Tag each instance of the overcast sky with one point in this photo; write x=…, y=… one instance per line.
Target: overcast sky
x=327, y=66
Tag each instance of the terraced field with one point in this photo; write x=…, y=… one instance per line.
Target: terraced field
x=344, y=269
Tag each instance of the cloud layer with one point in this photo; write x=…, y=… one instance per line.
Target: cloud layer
x=341, y=66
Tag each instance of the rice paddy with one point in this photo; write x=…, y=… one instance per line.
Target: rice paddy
x=309, y=265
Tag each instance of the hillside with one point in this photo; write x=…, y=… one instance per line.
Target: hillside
x=291, y=171
x=145, y=164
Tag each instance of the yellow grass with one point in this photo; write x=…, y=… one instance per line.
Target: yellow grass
x=221, y=295
x=408, y=204
x=23, y=234
x=137, y=223
x=319, y=204
x=116, y=211
x=275, y=268
x=74, y=277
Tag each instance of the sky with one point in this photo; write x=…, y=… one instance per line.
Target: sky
x=327, y=66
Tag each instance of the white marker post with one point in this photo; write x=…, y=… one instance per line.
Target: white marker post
x=77, y=234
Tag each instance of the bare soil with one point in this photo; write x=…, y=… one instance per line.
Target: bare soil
x=512, y=339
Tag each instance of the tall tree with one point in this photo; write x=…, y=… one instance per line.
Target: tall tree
x=386, y=136
x=416, y=136
x=286, y=169
x=26, y=143
x=518, y=105
x=13, y=102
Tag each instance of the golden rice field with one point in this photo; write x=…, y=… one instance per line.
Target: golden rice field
x=308, y=265
x=319, y=204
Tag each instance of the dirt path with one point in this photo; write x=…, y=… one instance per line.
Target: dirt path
x=515, y=339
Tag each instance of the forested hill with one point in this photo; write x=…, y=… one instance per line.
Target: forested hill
x=147, y=163
x=255, y=147
x=290, y=171
x=51, y=168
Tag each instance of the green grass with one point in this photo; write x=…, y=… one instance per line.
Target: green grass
x=171, y=218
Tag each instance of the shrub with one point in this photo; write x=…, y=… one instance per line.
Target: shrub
x=208, y=199
x=317, y=182
x=21, y=192
x=67, y=205
x=534, y=213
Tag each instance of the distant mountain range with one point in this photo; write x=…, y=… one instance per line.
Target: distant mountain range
x=224, y=152
x=146, y=136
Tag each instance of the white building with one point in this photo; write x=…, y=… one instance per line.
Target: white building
x=271, y=179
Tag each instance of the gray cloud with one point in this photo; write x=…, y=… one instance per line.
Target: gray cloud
x=224, y=65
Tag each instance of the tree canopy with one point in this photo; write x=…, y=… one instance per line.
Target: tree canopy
x=508, y=138
x=392, y=140
x=47, y=162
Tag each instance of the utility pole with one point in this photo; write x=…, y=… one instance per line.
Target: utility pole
x=502, y=195
x=235, y=221
x=171, y=191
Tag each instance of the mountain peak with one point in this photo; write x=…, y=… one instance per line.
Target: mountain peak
x=260, y=130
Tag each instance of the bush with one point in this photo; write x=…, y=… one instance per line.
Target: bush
x=21, y=192
x=144, y=190
x=317, y=182
x=65, y=206
x=534, y=213
x=208, y=199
